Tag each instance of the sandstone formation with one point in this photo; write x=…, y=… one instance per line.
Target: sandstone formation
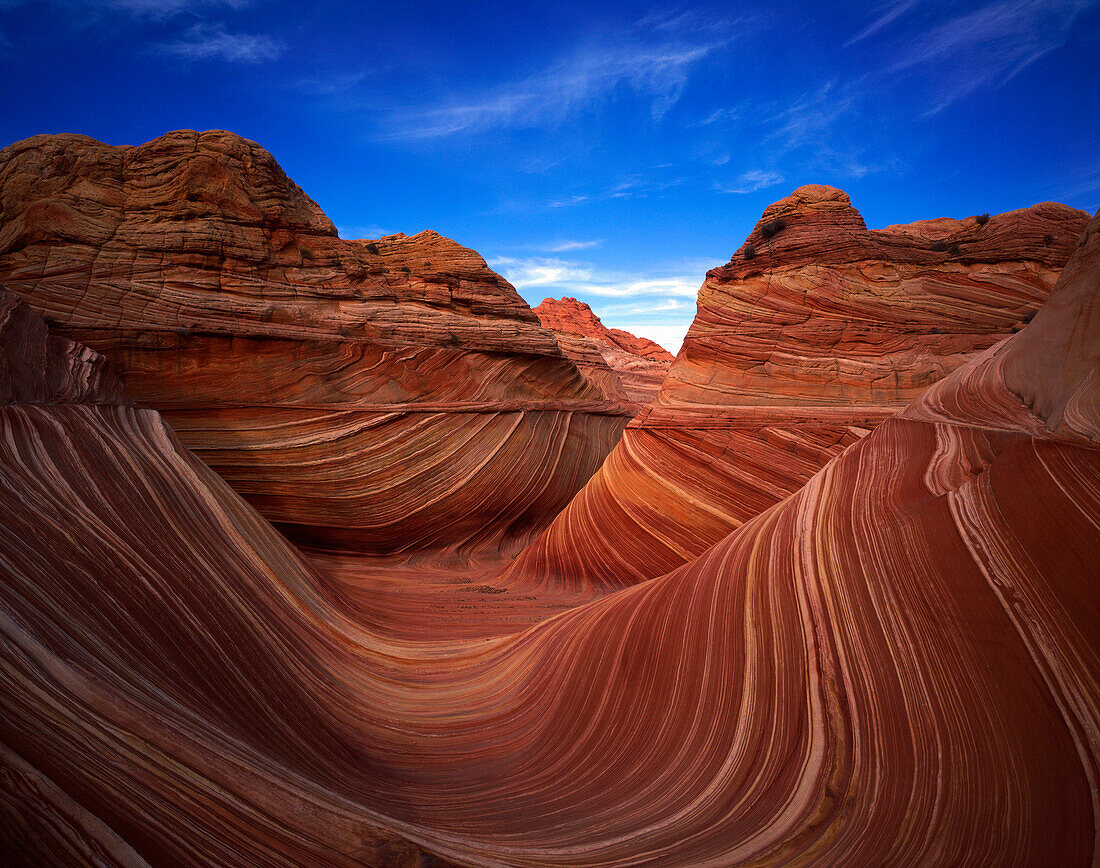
x=136, y=588
x=815, y=332
x=586, y=354
x=370, y=395
x=640, y=363
x=896, y=665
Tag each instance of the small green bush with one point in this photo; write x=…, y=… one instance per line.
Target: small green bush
x=982, y=218
x=749, y=251
x=939, y=246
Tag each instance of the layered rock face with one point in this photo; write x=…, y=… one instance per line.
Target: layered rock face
x=896, y=665
x=639, y=363
x=369, y=395
x=815, y=332
x=143, y=656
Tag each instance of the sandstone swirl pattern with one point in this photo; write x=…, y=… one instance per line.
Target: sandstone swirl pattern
x=370, y=395
x=898, y=664
x=639, y=364
x=815, y=332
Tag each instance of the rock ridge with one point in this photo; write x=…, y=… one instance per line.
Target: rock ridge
x=366, y=394
x=795, y=354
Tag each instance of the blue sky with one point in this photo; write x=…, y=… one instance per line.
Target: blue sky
x=609, y=151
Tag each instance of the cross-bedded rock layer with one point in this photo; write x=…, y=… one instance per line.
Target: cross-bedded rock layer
x=373, y=395
x=896, y=665
x=815, y=332
x=639, y=363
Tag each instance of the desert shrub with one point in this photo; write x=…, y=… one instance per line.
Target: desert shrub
x=939, y=246
x=749, y=251
x=305, y=253
x=773, y=227
x=982, y=218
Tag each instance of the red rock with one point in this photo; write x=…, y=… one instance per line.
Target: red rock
x=794, y=355
x=640, y=363
x=116, y=701
x=37, y=367
x=371, y=395
x=898, y=664
x=588, y=356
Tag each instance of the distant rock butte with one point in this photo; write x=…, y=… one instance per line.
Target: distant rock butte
x=369, y=395
x=816, y=331
x=639, y=363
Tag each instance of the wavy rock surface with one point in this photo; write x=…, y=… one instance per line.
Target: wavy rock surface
x=117, y=545
x=372, y=395
x=898, y=664
x=815, y=332
x=640, y=363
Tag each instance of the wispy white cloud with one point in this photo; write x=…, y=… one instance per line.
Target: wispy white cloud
x=632, y=187
x=569, y=277
x=983, y=49
x=812, y=116
x=526, y=273
x=927, y=57
x=650, y=306
x=167, y=8
x=719, y=115
x=892, y=12
x=213, y=42
x=751, y=181
x=654, y=61
x=567, y=201
x=368, y=231
x=331, y=85
x=565, y=246
x=813, y=135
x=669, y=334
x=1084, y=183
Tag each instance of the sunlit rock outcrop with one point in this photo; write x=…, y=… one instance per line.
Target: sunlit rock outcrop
x=379, y=395
x=639, y=363
x=815, y=332
x=898, y=664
